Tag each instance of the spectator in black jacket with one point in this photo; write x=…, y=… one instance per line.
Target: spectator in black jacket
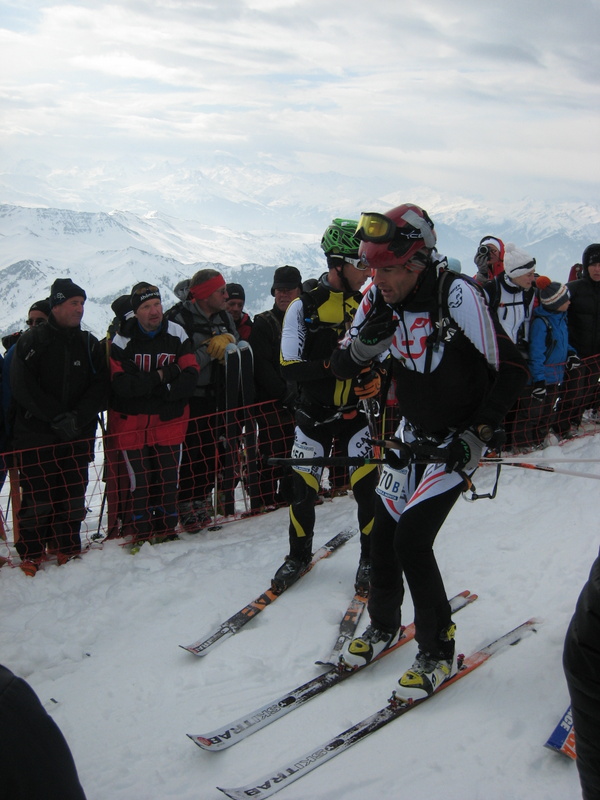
x=581, y=388
x=36, y=760
x=211, y=328
x=153, y=375
x=581, y=661
x=59, y=383
x=276, y=421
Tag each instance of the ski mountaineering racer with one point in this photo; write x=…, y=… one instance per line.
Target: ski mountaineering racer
x=456, y=375
x=327, y=408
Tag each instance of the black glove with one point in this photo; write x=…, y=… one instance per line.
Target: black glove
x=65, y=426
x=538, y=391
x=573, y=362
x=170, y=372
x=396, y=458
x=374, y=337
x=464, y=452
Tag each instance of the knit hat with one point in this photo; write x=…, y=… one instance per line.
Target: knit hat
x=591, y=255
x=122, y=307
x=552, y=293
x=516, y=261
x=141, y=292
x=40, y=305
x=62, y=289
x=236, y=291
x=286, y=278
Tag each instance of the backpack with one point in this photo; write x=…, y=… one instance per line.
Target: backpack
x=550, y=342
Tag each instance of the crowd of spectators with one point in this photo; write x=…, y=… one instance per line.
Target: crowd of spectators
x=180, y=444
x=160, y=375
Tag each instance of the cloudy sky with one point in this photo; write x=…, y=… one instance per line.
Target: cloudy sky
x=489, y=99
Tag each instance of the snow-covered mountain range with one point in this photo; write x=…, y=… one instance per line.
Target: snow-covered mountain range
x=244, y=221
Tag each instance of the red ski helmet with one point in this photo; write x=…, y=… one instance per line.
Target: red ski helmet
x=396, y=237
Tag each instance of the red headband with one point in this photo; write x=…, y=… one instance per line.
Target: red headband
x=203, y=290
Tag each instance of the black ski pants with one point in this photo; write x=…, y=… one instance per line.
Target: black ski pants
x=314, y=440
x=410, y=510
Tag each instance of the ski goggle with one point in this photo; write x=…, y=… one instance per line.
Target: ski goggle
x=376, y=228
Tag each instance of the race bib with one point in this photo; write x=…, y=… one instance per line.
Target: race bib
x=391, y=483
x=302, y=450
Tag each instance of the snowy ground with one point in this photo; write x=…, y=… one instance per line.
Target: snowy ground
x=98, y=641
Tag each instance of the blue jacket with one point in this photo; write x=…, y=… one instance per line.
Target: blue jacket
x=549, y=345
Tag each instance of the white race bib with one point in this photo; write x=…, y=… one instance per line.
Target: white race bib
x=391, y=483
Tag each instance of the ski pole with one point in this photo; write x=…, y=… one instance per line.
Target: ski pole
x=526, y=458
x=325, y=461
x=574, y=474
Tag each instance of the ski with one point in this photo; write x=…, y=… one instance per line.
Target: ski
x=562, y=738
x=288, y=773
x=234, y=732
x=237, y=621
x=348, y=627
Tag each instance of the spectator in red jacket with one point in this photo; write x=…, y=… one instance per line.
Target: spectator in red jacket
x=153, y=374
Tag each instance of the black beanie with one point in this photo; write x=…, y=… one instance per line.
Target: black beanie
x=235, y=291
x=286, y=277
x=141, y=292
x=591, y=255
x=62, y=289
x=41, y=305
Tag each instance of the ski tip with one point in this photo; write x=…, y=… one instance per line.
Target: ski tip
x=190, y=649
x=201, y=741
x=533, y=624
x=233, y=793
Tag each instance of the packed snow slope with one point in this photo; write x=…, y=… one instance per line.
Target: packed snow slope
x=98, y=641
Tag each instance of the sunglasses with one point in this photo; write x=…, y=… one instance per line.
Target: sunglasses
x=356, y=263
x=142, y=290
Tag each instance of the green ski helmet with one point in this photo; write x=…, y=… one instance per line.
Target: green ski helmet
x=339, y=239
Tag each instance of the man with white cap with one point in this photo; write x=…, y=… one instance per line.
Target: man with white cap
x=511, y=297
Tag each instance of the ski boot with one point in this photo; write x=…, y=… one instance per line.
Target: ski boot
x=428, y=671
x=363, y=577
x=365, y=648
x=292, y=568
